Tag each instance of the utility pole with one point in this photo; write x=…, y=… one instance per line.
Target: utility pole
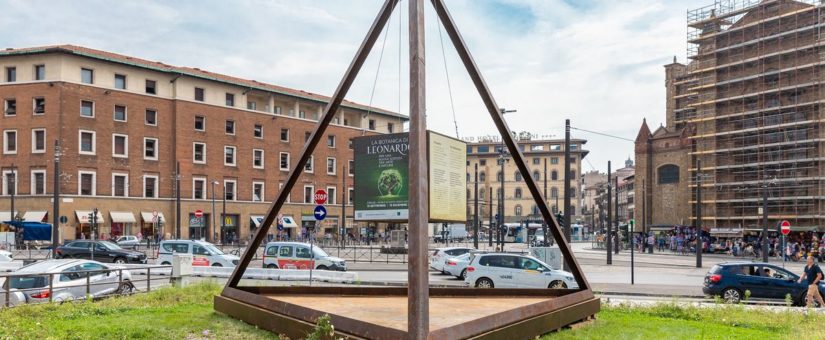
x=630, y=234
x=490, y=227
x=209, y=236
x=344, y=193
x=567, y=179
x=765, y=217
x=544, y=223
x=56, y=198
x=698, y=213
x=223, y=217
x=475, y=211
x=500, y=239
x=177, y=201
x=609, y=240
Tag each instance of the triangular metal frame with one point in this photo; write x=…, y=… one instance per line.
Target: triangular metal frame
x=418, y=291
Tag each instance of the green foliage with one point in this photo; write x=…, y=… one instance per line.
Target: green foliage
x=747, y=295
x=323, y=329
x=788, y=300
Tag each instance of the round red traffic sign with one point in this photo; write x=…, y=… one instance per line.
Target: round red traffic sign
x=320, y=196
x=785, y=227
x=198, y=213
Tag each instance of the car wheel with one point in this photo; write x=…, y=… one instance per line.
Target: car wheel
x=164, y=263
x=557, y=284
x=217, y=265
x=126, y=287
x=322, y=267
x=463, y=275
x=272, y=266
x=731, y=295
x=484, y=283
x=120, y=260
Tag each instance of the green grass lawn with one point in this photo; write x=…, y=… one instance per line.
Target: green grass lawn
x=187, y=314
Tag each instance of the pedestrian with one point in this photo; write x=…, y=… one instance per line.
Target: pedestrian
x=813, y=274
x=650, y=242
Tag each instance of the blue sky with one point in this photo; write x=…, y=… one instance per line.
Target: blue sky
x=598, y=63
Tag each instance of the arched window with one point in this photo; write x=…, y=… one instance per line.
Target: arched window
x=518, y=210
x=668, y=173
x=536, y=175
x=517, y=193
x=517, y=176
x=482, y=177
x=554, y=175
x=554, y=192
x=498, y=176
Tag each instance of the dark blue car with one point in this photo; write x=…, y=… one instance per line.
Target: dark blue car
x=730, y=281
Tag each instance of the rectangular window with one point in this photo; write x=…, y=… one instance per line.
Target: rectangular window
x=87, y=108
x=10, y=108
x=86, y=185
x=230, y=127
x=38, y=182
x=536, y=147
x=38, y=140
x=258, y=159
x=200, y=123
x=150, y=148
x=309, y=192
x=258, y=131
x=306, y=136
x=554, y=160
x=332, y=196
x=257, y=191
x=302, y=114
x=277, y=110
x=151, y=87
x=39, y=72
x=120, y=186
x=331, y=165
x=390, y=127
x=309, y=167
x=120, y=113
x=555, y=147
x=87, y=142
x=10, y=182
x=120, y=81
x=536, y=160
x=151, y=117
x=251, y=105
x=482, y=162
x=198, y=188
x=331, y=141
x=11, y=74
x=199, y=94
x=285, y=135
x=229, y=187
x=120, y=145
x=230, y=99
x=150, y=186
x=284, y=160
x=483, y=148
x=229, y=155
x=350, y=195
x=199, y=153
x=372, y=124
x=351, y=168
x=38, y=106
x=87, y=76
x=349, y=143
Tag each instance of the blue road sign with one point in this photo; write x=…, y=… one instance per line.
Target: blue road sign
x=320, y=213
x=498, y=217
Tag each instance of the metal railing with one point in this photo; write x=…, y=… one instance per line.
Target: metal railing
x=124, y=287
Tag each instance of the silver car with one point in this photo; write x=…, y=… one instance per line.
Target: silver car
x=457, y=266
x=70, y=278
x=128, y=241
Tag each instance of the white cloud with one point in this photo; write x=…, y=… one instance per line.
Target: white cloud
x=598, y=63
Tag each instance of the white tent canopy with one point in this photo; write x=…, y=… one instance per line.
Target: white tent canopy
x=122, y=217
x=34, y=216
x=83, y=216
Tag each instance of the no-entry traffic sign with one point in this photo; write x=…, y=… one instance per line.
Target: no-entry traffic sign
x=320, y=196
x=785, y=227
x=198, y=213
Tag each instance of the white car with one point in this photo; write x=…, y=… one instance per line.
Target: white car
x=499, y=270
x=6, y=256
x=441, y=254
x=30, y=284
x=127, y=241
x=297, y=255
x=457, y=266
x=203, y=253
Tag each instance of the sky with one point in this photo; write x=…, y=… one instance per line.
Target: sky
x=598, y=63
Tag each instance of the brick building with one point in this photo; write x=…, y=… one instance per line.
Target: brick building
x=124, y=123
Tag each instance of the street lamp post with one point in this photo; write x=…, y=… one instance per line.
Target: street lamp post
x=699, y=213
x=475, y=210
x=609, y=239
x=223, y=217
x=502, y=158
x=56, y=198
x=209, y=232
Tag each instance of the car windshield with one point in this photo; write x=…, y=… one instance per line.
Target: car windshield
x=28, y=282
x=110, y=245
x=319, y=252
x=212, y=249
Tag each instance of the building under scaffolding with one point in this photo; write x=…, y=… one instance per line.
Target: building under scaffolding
x=748, y=106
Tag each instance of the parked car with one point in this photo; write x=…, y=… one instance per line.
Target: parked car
x=296, y=255
x=441, y=254
x=457, y=266
x=6, y=256
x=127, y=241
x=203, y=253
x=69, y=281
x=103, y=251
x=731, y=280
x=500, y=270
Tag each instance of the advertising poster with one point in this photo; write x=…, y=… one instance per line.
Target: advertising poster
x=381, y=182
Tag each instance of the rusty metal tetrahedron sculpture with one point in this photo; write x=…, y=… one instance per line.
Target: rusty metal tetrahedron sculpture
x=400, y=313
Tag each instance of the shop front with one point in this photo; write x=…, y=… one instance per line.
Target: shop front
x=122, y=223
x=287, y=229
x=198, y=226
x=85, y=228
x=308, y=226
x=151, y=225
x=229, y=228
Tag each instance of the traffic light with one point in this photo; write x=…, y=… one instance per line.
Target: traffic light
x=631, y=225
x=560, y=219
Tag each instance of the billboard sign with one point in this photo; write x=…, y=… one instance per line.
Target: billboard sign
x=448, y=182
x=381, y=183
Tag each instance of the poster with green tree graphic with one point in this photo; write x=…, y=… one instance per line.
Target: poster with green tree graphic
x=381, y=182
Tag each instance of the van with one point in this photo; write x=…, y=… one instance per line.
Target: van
x=203, y=253
x=297, y=255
